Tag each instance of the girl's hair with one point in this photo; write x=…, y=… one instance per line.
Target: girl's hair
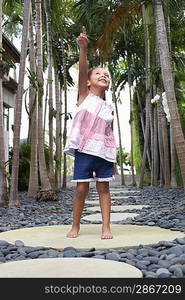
x=90, y=72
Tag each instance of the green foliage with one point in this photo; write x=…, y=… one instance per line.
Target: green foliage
x=125, y=157
x=136, y=133
x=178, y=173
x=24, y=164
x=136, y=148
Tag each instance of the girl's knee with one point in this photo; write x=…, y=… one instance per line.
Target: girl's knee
x=82, y=189
x=102, y=187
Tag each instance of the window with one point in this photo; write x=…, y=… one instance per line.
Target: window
x=6, y=118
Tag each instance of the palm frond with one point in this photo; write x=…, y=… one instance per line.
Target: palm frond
x=122, y=13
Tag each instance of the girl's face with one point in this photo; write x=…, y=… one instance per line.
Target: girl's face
x=99, y=78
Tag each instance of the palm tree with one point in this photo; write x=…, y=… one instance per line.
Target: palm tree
x=168, y=81
x=50, y=90
x=18, y=111
x=64, y=183
x=147, y=92
x=58, y=131
x=46, y=190
x=3, y=181
x=115, y=100
x=33, y=114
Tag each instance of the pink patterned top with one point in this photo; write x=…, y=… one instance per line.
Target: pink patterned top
x=91, y=130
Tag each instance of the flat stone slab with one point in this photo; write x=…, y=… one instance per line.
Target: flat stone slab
x=116, y=208
x=68, y=268
x=114, y=217
x=119, y=190
x=95, y=202
x=114, y=197
x=125, y=236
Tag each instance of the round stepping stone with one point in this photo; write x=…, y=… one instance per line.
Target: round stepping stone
x=114, y=217
x=125, y=236
x=114, y=197
x=95, y=202
x=115, y=208
x=68, y=268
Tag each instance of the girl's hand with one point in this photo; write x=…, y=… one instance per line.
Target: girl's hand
x=82, y=40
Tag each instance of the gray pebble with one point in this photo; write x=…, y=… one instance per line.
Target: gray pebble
x=130, y=256
x=130, y=262
x=99, y=256
x=20, y=257
x=69, y=248
x=19, y=243
x=150, y=274
x=164, y=263
x=61, y=254
x=162, y=271
x=152, y=252
x=43, y=256
x=35, y=254
x=151, y=223
x=171, y=256
x=124, y=255
x=178, y=250
x=85, y=254
x=52, y=253
x=2, y=259
x=69, y=253
x=4, y=243
x=153, y=267
x=164, y=275
x=180, y=241
x=140, y=265
x=112, y=256
x=178, y=272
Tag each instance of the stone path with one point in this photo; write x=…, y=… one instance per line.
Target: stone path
x=126, y=236
x=69, y=268
x=115, y=208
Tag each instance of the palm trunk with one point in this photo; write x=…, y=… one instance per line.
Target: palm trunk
x=161, y=149
x=142, y=123
x=147, y=89
x=3, y=181
x=33, y=178
x=156, y=150
x=151, y=113
x=50, y=91
x=173, y=157
x=168, y=81
x=119, y=134
x=45, y=110
x=166, y=150
x=64, y=183
x=46, y=190
x=58, y=133
x=131, y=128
x=18, y=110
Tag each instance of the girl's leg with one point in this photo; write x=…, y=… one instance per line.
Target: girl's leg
x=105, y=205
x=81, y=192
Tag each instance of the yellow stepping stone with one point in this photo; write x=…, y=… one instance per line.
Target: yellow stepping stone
x=114, y=217
x=115, y=208
x=125, y=236
x=68, y=268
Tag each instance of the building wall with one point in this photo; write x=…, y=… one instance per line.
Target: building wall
x=8, y=98
x=6, y=139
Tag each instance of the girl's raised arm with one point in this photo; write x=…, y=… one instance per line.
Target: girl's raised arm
x=83, y=67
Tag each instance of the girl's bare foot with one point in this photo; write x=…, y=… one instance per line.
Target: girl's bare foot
x=106, y=235
x=73, y=233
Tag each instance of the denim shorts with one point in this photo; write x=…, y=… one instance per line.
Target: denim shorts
x=89, y=167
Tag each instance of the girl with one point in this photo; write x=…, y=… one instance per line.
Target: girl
x=91, y=141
